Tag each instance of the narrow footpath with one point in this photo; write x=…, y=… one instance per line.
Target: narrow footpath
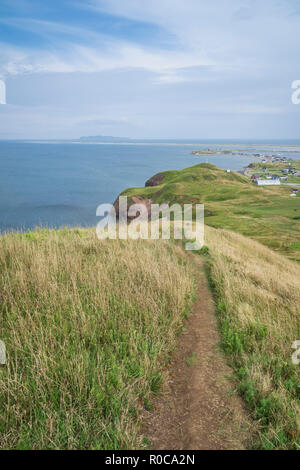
x=199, y=407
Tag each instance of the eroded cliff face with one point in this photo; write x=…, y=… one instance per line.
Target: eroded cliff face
x=134, y=200
x=155, y=180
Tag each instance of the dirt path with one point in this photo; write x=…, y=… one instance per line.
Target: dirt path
x=199, y=408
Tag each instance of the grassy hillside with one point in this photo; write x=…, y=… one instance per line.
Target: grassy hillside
x=258, y=303
x=233, y=202
x=88, y=327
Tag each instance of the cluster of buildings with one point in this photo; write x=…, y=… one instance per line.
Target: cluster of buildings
x=291, y=171
x=274, y=179
x=271, y=158
x=267, y=180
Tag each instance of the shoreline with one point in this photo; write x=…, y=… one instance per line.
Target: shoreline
x=289, y=147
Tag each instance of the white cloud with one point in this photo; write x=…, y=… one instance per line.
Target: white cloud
x=171, y=76
x=217, y=71
x=245, y=34
x=242, y=33
x=109, y=56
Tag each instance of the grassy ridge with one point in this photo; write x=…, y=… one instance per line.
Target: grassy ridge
x=233, y=202
x=258, y=299
x=88, y=326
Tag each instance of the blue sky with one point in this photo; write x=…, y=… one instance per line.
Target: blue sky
x=149, y=69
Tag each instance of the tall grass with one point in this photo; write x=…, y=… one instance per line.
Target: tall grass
x=88, y=327
x=258, y=296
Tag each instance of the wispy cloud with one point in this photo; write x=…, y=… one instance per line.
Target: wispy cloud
x=169, y=66
x=111, y=55
x=243, y=34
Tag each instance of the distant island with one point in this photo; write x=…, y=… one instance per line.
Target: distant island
x=103, y=138
x=211, y=152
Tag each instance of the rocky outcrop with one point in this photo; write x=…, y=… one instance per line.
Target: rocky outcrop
x=134, y=200
x=156, y=180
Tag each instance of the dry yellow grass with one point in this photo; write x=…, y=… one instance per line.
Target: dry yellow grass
x=88, y=327
x=258, y=296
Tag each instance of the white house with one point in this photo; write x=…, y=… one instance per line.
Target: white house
x=261, y=182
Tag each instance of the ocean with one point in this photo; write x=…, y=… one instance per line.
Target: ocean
x=57, y=184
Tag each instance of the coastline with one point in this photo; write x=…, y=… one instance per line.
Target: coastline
x=157, y=143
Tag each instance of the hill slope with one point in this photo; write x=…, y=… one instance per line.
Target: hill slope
x=88, y=326
x=233, y=202
x=258, y=298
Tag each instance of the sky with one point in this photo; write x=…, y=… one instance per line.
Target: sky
x=149, y=69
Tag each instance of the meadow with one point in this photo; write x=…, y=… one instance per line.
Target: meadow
x=257, y=294
x=89, y=327
x=266, y=214
x=257, y=290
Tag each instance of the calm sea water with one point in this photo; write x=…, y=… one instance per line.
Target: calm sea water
x=61, y=184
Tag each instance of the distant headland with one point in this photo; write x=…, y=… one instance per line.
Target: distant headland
x=103, y=138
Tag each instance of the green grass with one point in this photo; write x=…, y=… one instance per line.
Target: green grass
x=191, y=360
x=257, y=293
x=89, y=327
x=233, y=202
